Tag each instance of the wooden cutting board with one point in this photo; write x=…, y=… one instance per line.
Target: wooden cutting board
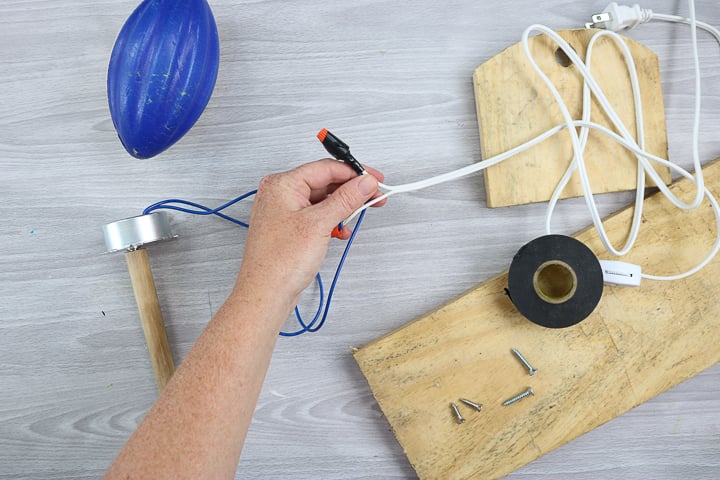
x=514, y=105
x=638, y=343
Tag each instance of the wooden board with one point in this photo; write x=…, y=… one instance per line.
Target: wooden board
x=638, y=343
x=514, y=106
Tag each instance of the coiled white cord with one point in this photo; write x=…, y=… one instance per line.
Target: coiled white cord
x=623, y=137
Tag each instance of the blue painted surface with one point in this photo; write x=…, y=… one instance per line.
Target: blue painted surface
x=162, y=73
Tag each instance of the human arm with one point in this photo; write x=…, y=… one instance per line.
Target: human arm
x=197, y=427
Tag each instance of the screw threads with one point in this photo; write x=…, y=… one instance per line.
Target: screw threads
x=476, y=406
x=517, y=398
x=458, y=417
x=531, y=370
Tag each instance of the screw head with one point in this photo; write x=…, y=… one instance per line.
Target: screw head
x=519, y=397
x=455, y=410
x=469, y=403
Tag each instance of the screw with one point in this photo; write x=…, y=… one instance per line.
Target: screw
x=459, y=417
x=532, y=371
x=526, y=393
x=476, y=406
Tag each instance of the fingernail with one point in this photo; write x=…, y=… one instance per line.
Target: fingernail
x=367, y=185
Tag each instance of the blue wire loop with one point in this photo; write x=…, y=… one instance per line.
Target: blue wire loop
x=323, y=306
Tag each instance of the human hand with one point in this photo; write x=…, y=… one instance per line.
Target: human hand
x=291, y=221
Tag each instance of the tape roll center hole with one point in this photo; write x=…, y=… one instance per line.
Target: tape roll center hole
x=555, y=281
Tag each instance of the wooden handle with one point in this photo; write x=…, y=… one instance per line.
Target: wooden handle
x=150, y=315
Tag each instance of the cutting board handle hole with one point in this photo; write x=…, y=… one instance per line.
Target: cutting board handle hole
x=561, y=57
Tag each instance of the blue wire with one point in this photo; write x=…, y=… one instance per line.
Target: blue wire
x=203, y=210
x=309, y=327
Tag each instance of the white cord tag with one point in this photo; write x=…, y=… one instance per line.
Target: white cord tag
x=621, y=273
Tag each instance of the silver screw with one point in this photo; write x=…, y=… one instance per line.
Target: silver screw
x=459, y=417
x=526, y=393
x=532, y=371
x=476, y=406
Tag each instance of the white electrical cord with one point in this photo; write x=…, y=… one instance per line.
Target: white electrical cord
x=624, y=17
x=639, y=125
x=678, y=19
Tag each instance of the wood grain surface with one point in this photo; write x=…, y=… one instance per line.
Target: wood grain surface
x=636, y=344
x=514, y=106
x=150, y=312
x=394, y=80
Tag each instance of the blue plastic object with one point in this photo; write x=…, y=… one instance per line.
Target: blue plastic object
x=162, y=73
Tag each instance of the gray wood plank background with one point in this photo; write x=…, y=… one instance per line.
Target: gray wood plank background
x=391, y=78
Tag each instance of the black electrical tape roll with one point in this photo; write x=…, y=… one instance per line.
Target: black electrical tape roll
x=555, y=281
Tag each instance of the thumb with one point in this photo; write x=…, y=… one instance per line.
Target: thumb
x=346, y=199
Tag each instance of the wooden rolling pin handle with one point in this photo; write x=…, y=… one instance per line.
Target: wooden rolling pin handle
x=150, y=315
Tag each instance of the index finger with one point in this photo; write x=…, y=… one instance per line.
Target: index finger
x=322, y=173
x=320, y=194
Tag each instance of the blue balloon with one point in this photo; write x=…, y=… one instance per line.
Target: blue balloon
x=162, y=73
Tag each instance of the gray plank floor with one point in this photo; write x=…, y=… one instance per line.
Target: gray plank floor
x=394, y=79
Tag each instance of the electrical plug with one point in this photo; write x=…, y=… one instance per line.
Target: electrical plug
x=619, y=17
